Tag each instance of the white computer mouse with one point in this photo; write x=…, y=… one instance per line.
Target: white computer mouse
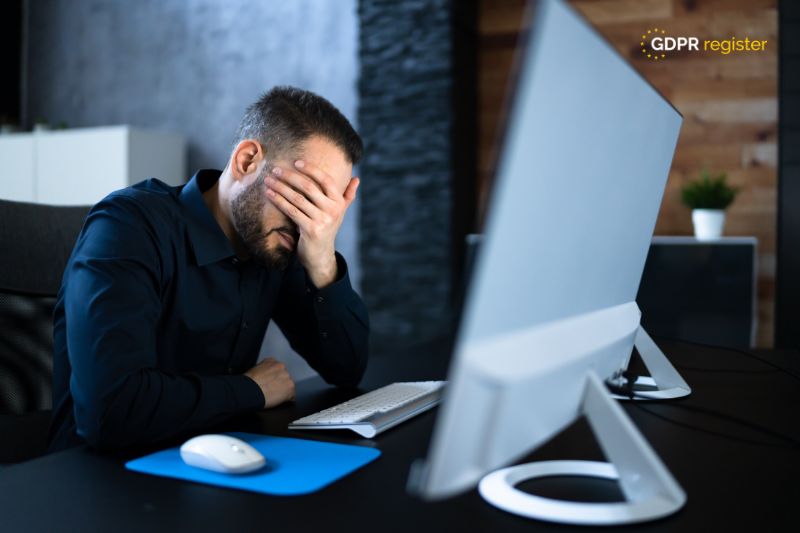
x=221, y=453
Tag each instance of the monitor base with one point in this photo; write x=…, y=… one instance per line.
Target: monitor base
x=650, y=490
x=499, y=489
x=664, y=382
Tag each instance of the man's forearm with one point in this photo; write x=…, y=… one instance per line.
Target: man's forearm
x=151, y=405
x=328, y=327
x=344, y=351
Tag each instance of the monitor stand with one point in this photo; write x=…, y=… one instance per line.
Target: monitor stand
x=650, y=490
x=664, y=382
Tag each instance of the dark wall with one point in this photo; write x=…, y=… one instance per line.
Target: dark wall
x=187, y=67
x=787, y=300
x=415, y=82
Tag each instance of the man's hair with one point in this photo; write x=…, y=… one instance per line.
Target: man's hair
x=284, y=117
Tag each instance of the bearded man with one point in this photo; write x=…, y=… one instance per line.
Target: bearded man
x=168, y=293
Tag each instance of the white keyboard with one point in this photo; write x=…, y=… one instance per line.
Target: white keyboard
x=376, y=411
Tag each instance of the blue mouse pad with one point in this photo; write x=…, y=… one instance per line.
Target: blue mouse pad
x=294, y=466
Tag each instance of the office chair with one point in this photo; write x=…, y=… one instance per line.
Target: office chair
x=35, y=243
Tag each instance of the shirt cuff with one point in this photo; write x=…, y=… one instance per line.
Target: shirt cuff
x=249, y=396
x=328, y=301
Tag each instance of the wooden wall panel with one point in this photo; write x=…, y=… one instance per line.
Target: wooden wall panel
x=729, y=104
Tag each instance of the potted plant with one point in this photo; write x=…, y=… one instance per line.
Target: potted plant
x=708, y=197
x=41, y=124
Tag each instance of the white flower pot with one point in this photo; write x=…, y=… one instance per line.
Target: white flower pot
x=708, y=223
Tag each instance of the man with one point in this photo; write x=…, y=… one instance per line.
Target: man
x=169, y=290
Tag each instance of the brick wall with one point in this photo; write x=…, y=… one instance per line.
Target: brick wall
x=406, y=117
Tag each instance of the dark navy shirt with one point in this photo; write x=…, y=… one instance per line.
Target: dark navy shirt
x=157, y=319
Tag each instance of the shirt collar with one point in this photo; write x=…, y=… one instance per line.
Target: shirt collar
x=208, y=240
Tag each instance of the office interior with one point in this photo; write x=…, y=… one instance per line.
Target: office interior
x=102, y=94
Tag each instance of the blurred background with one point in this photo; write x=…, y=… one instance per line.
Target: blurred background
x=156, y=88
x=729, y=104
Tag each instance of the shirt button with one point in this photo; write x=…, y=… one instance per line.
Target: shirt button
x=320, y=299
x=235, y=260
x=308, y=290
x=324, y=334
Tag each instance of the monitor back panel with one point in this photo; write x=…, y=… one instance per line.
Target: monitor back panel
x=577, y=191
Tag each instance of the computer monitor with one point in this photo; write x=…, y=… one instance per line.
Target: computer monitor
x=551, y=312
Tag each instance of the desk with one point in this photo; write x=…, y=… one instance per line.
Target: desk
x=731, y=485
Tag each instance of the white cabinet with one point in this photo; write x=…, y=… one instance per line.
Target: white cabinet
x=16, y=167
x=81, y=166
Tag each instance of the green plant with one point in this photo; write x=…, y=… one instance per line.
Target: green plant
x=708, y=192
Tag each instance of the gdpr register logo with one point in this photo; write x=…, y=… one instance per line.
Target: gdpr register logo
x=657, y=44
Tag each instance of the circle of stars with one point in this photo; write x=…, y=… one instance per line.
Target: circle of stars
x=652, y=54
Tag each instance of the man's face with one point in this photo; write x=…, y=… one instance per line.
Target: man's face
x=270, y=236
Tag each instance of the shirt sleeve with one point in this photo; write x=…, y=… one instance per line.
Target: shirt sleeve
x=328, y=327
x=112, y=308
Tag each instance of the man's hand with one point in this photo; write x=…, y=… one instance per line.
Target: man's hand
x=310, y=198
x=274, y=380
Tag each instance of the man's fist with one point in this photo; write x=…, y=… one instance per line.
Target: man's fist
x=274, y=380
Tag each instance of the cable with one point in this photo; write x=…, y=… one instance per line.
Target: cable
x=795, y=445
x=724, y=370
x=737, y=350
x=736, y=420
x=626, y=388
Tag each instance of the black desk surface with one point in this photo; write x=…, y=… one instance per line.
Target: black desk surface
x=732, y=485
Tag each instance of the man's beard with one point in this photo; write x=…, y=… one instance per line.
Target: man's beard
x=247, y=210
